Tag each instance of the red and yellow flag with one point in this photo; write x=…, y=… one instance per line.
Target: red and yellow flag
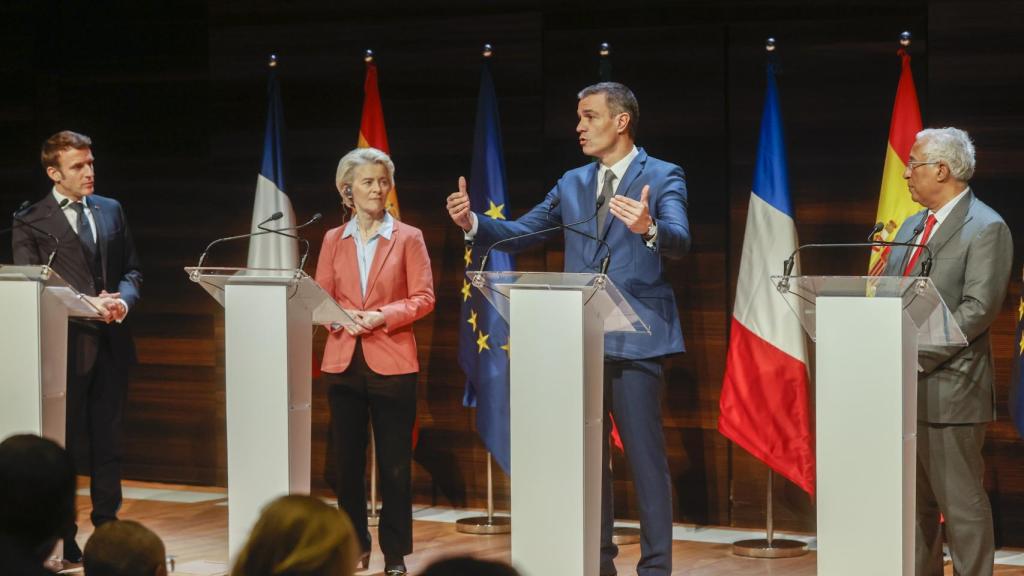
x=371, y=129
x=894, y=203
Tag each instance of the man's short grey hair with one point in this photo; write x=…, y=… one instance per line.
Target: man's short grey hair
x=620, y=99
x=359, y=157
x=951, y=146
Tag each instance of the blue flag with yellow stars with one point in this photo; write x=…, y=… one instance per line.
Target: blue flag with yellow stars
x=1017, y=381
x=483, y=335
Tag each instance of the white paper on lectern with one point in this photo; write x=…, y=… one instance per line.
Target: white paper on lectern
x=307, y=292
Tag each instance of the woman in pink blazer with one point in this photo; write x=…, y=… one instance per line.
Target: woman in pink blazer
x=378, y=270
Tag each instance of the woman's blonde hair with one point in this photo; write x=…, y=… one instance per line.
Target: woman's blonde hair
x=354, y=159
x=299, y=535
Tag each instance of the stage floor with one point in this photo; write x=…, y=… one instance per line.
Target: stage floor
x=192, y=521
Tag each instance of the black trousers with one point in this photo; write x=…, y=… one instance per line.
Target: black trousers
x=357, y=396
x=96, y=388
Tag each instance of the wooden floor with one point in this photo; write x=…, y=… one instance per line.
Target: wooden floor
x=198, y=532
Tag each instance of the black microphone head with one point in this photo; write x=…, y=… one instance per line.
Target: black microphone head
x=63, y=203
x=554, y=203
x=22, y=208
x=316, y=218
x=600, y=202
x=276, y=216
x=878, y=228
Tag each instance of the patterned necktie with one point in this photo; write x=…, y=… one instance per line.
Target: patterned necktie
x=606, y=193
x=924, y=240
x=84, y=229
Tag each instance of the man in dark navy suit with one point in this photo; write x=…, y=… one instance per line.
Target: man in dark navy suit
x=97, y=257
x=642, y=217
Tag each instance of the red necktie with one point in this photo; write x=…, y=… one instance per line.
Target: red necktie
x=924, y=240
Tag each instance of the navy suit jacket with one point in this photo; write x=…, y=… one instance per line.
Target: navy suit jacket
x=120, y=262
x=634, y=268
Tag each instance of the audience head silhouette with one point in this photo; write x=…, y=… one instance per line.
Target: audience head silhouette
x=299, y=536
x=468, y=566
x=124, y=548
x=37, y=495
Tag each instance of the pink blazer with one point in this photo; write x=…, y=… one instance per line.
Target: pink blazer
x=400, y=285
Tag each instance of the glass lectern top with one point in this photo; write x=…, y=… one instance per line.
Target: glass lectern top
x=77, y=304
x=303, y=289
x=921, y=302
x=600, y=294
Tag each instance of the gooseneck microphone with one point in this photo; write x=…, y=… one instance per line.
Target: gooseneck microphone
x=554, y=204
x=926, y=266
x=305, y=243
x=23, y=209
x=274, y=216
x=608, y=249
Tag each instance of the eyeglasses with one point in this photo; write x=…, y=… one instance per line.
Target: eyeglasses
x=914, y=164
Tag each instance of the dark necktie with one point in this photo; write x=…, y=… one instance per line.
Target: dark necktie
x=606, y=193
x=924, y=240
x=84, y=229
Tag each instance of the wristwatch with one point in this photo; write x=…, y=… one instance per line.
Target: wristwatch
x=652, y=232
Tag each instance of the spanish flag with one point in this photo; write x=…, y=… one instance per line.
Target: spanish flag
x=894, y=203
x=371, y=129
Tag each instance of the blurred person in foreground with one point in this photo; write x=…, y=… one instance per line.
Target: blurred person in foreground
x=124, y=548
x=299, y=535
x=37, y=502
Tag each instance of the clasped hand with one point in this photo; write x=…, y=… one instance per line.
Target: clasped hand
x=365, y=321
x=109, y=306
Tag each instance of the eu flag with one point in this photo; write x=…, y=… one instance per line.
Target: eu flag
x=1017, y=382
x=484, y=346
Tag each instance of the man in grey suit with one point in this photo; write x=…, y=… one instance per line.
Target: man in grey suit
x=973, y=253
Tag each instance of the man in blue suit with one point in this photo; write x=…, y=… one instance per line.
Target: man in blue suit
x=640, y=206
x=97, y=257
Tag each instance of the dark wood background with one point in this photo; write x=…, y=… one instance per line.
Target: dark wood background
x=173, y=94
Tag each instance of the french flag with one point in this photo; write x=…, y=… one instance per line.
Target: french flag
x=763, y=405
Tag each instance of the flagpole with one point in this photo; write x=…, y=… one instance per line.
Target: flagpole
x=489, y=524
x=621, y=535
x=770, y=546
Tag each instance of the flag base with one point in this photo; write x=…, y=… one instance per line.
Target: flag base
x=763, y=548
x=622, y=535
x=484, y=525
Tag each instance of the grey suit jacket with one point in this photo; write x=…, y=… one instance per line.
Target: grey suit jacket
x=973, y=254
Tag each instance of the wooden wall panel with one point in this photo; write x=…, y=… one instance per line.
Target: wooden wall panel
x=175, y=101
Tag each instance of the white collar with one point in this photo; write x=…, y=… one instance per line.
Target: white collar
x=60, y=197
x=386, y=228
x=620, y=167
x=944, y=212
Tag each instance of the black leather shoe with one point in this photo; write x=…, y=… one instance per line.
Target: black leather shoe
x=72, y=553
x=395, y=566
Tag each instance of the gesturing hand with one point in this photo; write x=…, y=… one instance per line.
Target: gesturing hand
x=636, y=215
x=458, y=206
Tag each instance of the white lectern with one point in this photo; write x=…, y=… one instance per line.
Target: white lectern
x=867, y=331
x=556, y=324
x=35, y=304
x=268, y=356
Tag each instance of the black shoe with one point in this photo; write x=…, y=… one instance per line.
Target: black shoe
x=395, y=566
x=72, y=553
